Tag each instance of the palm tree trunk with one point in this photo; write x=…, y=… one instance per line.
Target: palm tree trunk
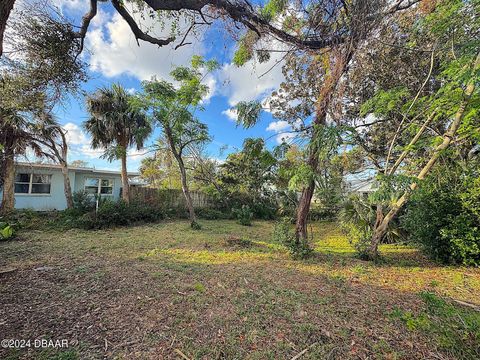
x=381, y=230
x=8, y=197
x=125, y=185
x=6, y=7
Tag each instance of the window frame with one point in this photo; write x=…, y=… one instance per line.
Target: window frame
x=30, y=183
x=111, y=182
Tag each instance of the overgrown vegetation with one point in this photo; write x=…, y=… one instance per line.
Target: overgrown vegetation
x=453, y=329
x=243, y=215
x=284, y=234
x=235, y=278
x=6, y=231
x=443, y=216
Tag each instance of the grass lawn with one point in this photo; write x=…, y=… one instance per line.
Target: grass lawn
x=164, y=291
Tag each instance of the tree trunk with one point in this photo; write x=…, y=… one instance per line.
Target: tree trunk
x=8, y=197
x=186, y=191
x=6, y=7
x=125, y=185
x=381, y=230
x=183, y=175
x=67, y=188
x=338, y=67
x=303, y=210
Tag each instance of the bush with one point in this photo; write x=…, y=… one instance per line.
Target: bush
x=212, y=214
x=6, y=231
x=264, y=210
x=236, y=241
x=443, y=217
x=244, y=215
x=83, y=201
x=357, y=220
x=119, y=213
x=283, y=234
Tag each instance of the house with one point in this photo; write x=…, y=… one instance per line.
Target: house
x=40, y=186
x=363, y=187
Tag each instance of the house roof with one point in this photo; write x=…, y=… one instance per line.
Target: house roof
x=73, y=168
x=363, y=186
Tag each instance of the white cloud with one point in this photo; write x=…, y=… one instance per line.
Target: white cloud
x=285, y=137
x=231, y=114
x=75, y=135
x=88, y=151
x=80, y=143
x=115, y=50
x=135, y=154
x=75, y=5
x=278, y=126
x=253, y=80
x=284, y=130
x=211, y=82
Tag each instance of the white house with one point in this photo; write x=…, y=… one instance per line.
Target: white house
x=40, y=186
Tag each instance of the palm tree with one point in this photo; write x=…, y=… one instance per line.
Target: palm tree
x=116, y=126
x=18, y=132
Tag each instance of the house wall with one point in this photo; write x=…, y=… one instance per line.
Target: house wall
x=56, y=199
x=80, y=182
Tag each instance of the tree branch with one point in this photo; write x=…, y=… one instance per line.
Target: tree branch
x=87, y=18
x=137, y=32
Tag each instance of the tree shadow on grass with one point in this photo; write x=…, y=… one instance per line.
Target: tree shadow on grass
x=237, y=308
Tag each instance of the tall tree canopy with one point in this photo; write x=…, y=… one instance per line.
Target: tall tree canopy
x=173, y=109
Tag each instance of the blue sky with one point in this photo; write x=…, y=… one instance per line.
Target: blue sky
x=114, y=56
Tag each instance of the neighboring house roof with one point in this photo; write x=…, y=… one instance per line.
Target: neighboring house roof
x=77, y=169
x=363, y=186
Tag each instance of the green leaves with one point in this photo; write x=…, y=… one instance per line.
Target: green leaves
x=6, y=231
x=245, y=48
x=302, y=177
x=117, y=121
x=273, y=8
x=385, y=102
x=248, y=113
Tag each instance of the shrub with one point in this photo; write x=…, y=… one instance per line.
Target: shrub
x=357, y=220
x=83, y=201
x=244, y=215
x=6, y=231
x=443, y=218
x=212, y=214
x=236, y=241
x=283, y=234
x=119, y=213
x=264, y=210
x=195, y=225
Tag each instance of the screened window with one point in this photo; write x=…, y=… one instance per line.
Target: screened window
x=26, y=183
x=99, y=186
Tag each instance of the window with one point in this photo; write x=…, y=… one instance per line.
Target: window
x=99, y=186
x=34, y=184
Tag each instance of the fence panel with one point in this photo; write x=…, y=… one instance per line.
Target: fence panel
x=170, y=198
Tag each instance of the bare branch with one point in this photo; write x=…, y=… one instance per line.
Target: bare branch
x=139, y=34
x=87, y=18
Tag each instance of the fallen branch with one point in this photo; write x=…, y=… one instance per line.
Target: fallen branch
x=181, y=354
x=472, y=306
x=7, y=271
x=301, y=353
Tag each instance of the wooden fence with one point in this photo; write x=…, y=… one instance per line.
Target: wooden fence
x=169, y=198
